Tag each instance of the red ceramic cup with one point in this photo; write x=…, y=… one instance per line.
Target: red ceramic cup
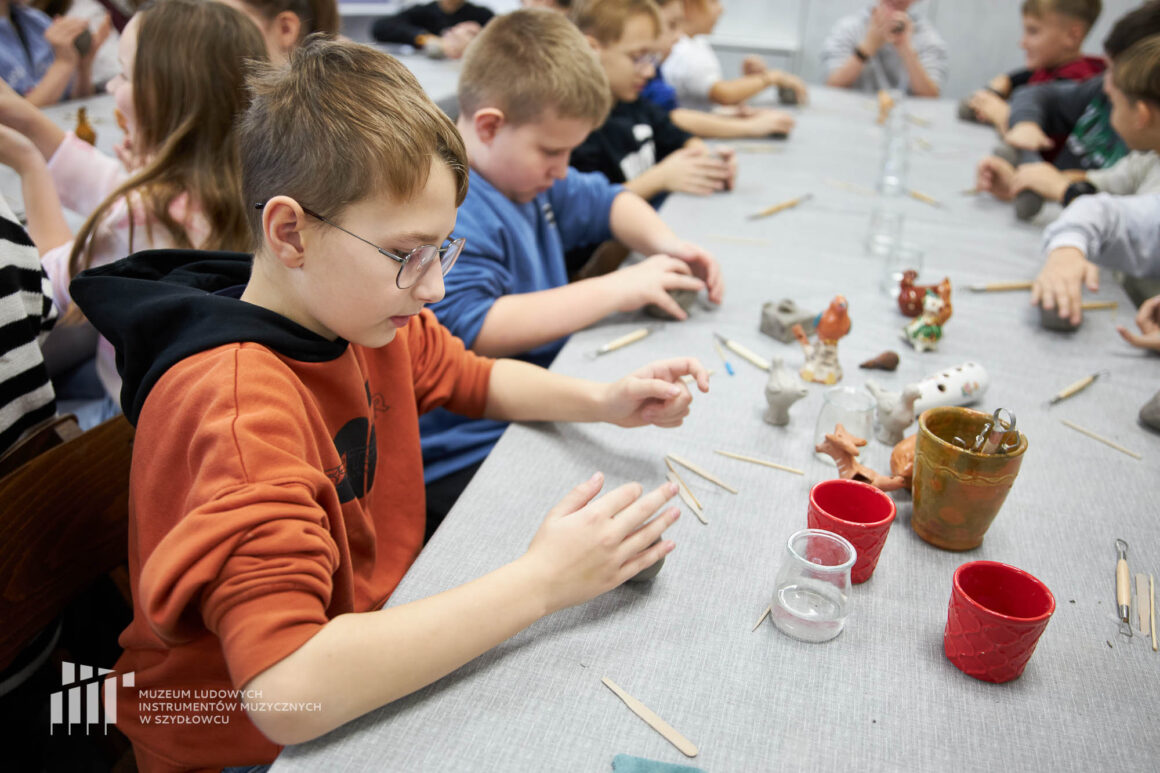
x=996, y=615
x=857, y=511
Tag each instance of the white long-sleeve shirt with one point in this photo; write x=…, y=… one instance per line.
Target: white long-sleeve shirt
x=1118, y=232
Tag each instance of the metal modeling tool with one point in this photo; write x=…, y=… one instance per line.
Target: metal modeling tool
x=1002, y=422
x=1076, y=387
x=1123, y=592
x=743, y=352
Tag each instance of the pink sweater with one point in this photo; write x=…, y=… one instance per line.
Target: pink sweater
x=84, y=177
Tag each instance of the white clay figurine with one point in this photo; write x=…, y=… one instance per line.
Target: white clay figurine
x=782, y=390
x=895, y=411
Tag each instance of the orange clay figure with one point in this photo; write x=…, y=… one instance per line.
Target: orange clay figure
x=924, y=333
x=822, y=357
x=843, y=448
x=902, y=461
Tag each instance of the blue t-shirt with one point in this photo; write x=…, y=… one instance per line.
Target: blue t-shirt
x=660, y=93
x=20, y=69
x=511, y=248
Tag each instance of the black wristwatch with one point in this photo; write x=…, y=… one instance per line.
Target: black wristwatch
x=858, y=52
x=1077, y=189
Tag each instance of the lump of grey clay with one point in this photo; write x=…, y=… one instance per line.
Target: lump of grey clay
x=1027, y=204
x=1150, y=413
x=684, y=299
x=1050, y=319
x=778, y=319
x=966, y=113
x=1008, y=153
x=786, y=95
x=644, y=575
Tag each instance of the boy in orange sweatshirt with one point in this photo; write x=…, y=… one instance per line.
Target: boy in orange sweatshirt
x=277, y=486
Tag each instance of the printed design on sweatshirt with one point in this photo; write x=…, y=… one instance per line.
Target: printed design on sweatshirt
x=644, y=157
x=1093, y=140
x=358, y=452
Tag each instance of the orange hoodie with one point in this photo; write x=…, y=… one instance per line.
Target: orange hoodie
x=269, y=495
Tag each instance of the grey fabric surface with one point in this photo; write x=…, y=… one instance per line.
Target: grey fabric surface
x=881, y=696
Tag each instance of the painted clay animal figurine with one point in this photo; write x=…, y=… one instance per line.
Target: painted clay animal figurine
x=843, y=448
x=902, y=461
x=782, y=390
x=963, y=384
x=888, y=360
x=895, y=411
x=821, y=363
x=924, y=333
x=910, y=295
x=778, y=319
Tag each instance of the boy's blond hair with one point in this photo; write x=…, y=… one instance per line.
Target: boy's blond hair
x=342, y=122
x=604, y=20
x=1136, y=72
x=1086, y=11
x=531, y=61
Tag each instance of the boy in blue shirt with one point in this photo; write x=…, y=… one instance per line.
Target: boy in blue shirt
x=529, y=92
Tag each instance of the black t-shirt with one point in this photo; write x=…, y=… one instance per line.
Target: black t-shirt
x=636, y=136
x=410, y=23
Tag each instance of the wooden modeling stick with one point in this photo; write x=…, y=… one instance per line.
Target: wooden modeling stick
x=760, y=620
x=742, y=351
x=687, y=497
x=924, y=198
x=1101, y=438
x=1152, y=607
x=684, y=745
x=999, y=287
x=624, y=340
x=852, y=187
x=1099, y=305
x=918, y=120
x=1143, y=615
x=702, y=472
x=1074, y=388
x=781, y=207
x=755, y=460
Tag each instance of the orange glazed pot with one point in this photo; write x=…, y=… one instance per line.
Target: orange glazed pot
x=957, y=493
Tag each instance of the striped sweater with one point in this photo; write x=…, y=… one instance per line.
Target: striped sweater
x=27, y=314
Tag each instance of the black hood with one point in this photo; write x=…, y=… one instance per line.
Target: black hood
x=160, y=306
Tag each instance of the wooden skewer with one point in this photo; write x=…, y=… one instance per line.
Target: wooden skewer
x=687, y=498
x=923, y=143
x=998, y=287
x=703, y=473
x=1098, y=305
x=1152, y=605
x=924, y=198
x=739, y=239
x=917, y=120
x=681, y=484
x=781, y=207
x=684, y=745
x=971, y=192
x=624, y=340
x=757, y=147
x=1142, y=616
x=761, y=619
x=853, y=188
x=755, y=460
x=1100, y=438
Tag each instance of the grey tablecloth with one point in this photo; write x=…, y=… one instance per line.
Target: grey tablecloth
x=881, y=696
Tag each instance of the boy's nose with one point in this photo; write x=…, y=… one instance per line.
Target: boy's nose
x=430, y=288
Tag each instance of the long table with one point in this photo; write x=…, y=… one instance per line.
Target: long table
x=881, y=696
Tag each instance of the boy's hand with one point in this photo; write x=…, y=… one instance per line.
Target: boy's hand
x=727, y=154
x=650, y=281
x=694, y=170
x=62, y=34
x=991, y=108
x=703, y=264
x=1026, y=135
x=1041, y=177
x=1060, y=284
x=100, y=35
x=995, y=176
x=654, y=394
x=587, y=546
x=876, y=31
x=1148, y=320
x=455, y=40
x=753, y=65
x=780, y=78
x=766, y=122
x=898, y=29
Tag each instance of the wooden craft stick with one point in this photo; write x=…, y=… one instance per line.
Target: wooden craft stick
x=1100, y=438
x=970, y=192
x=852, y=187
x=740, y=239
x=1142, y=615
x=1152, y=607
x=757, y=147
x=755, y=460
x=624, y=340
x=681, y=484
x=924, y=198
x=918, y=120
x=998, y=287
x=781, y=207
x=702, y=472
x=687, y=497
x=743, y=352
x=684, y=745
x=761, y=619
x=1099, y=305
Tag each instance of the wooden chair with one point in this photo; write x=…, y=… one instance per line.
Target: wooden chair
x=49, y=433
x=63, y=524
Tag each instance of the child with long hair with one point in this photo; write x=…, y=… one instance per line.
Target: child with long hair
x=177, y=184
x=286, y=23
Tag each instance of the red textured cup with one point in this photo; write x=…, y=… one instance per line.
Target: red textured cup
x=857, y=511
x=996, y=615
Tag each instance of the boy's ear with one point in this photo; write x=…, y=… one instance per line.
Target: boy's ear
x=487, y=122
x=593, y=43
x=1146, y=113
x=1076, y=31
x=287, y=29
x=283, y=221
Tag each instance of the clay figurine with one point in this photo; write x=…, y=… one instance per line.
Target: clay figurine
x=888, y=360
x=84, y=130
x=684, y=299
x=1050, y=319
x=895, y=411
x=778, y=319
x=924, y=333
x=902, y=461
x=822, y=356
x=782, y=390
x=1150, y=413
x=843, y=448
x=961, y=385
x=885, y=105
x=910, y=295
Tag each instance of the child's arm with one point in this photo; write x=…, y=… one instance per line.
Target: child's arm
x=46, y=223
x=356, y=663
x=1047, y=109
x=692, y=169
x=737, y=90
x=23, y=116
x=918, y=64
x=60, y=35
x=761, y=123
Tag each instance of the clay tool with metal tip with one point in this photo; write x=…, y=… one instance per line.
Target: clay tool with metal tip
x=1123, y=591
x=1075, y=388
x=624, y=340
x=781, y=207
x=741, y=351
x=999, y=287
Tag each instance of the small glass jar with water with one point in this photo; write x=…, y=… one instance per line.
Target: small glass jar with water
x=812, y=595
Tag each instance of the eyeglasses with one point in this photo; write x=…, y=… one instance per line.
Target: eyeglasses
x=415, y=263
x=645, y=61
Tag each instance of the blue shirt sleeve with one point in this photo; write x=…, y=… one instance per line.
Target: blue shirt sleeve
x=582, y=203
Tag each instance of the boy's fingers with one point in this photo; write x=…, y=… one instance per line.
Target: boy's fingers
x=674, y=281
x=644, y=537
x=613, y=502
x=578, y=497
x=654, y=389
x=629, y=518
x=1091, y=274
x=642, y=561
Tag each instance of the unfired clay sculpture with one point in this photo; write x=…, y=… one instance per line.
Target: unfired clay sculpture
x=1150, y=413
x=895, y=411
x=843, y=448
x=822, y=357
x=684, y=299
x=778, y=319
x=888, y=360
x=782, y=390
